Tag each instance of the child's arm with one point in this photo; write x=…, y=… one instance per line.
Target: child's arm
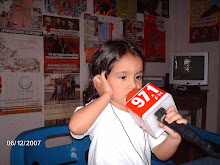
x=168, y=147
x=83, y=119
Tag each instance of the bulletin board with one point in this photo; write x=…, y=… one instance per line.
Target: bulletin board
x=43, y=44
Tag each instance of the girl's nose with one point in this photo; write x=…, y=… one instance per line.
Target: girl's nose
x=133, y=84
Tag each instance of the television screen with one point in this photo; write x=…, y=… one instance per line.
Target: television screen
x=189, y=68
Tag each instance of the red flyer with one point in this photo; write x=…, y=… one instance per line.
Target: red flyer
x=154, y=38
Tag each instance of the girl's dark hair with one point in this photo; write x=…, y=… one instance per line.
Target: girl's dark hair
x=104, y=59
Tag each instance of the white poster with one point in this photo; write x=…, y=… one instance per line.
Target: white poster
x=21, y=73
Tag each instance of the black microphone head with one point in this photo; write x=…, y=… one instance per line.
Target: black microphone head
x=160, y=113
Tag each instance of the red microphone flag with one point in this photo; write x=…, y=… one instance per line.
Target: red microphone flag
x=143, y=103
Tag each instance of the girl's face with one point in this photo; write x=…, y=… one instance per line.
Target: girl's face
x=126, y=75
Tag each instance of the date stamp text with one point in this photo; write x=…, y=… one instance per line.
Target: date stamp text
x=23, y=142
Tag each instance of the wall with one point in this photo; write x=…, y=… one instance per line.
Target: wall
x=177, y=40
x=180, y=43
x=12, y=125
x=218, y=109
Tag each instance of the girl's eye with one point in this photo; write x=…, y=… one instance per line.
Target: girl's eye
x=139, y=77
x=122, y=77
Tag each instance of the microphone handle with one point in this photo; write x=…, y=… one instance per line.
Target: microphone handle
x=190, y=135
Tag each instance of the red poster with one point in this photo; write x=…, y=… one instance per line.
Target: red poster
x=61, y=54
x=154, y=38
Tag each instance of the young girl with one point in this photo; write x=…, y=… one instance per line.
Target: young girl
x=117, y=68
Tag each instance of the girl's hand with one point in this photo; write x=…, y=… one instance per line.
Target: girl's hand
x=101, y=84
x=172, y=116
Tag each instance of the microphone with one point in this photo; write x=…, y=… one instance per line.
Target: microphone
x=142, y=105
x=187, y=133
x=147, y=107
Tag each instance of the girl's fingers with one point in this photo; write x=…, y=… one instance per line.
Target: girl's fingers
x=96, y=79
x=184, y=121
x=103, y=73
x=103, y=78
x=101, y=84
x=169, y=130
x=173, y=118
x=171, y=108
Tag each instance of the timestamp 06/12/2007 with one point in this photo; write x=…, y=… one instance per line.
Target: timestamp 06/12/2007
x=23, y=142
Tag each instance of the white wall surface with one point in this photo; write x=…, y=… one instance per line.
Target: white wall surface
x=180, y=43
x=11, y=126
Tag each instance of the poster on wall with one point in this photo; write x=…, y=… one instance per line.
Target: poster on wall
x=97, y=30
x=127, y=9
x=61, y=54
x=154, y=38
x=104, y=32
x=116, y=8
x=91, y=39
x=118, y=28
x=155, y=7
x=133, y=31
x=62, y=96
x=21, y=17
x=61, y=69
x=204, y=21
x=60, y=25
x=21, y=73
x=66, y=7
x=61, y=45
x=107, y=7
